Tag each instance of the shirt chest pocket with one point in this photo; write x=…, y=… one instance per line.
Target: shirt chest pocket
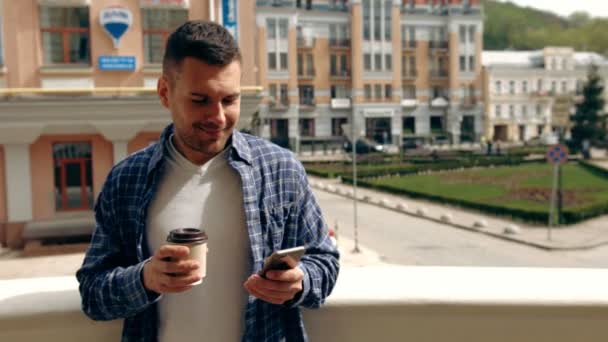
x=277, y=223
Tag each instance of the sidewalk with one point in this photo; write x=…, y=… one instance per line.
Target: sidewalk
x=584, y=235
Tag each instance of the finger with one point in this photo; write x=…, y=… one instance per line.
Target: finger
x=173, y=251
x=259, y=294
x=179, y=266
x=180, y=280
x=273, y=285
x=291, y=275
x=176, y=289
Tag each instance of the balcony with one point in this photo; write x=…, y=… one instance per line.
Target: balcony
x=340, y=74
x=308, y=75
x=409, y=103
x=340, y=103
x=412, y=74
x=278, y=106
x=374, y=303
x=307, y=104
x=306, y=42
x=439, y=102
x=435, y=45
x=438, y=73
x=339, y=43
x=408, y=44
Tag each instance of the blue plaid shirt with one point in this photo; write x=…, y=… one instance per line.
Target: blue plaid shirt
x=280, y=210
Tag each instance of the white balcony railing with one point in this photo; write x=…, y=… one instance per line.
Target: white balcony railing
x=381, y=303
x=340, y=103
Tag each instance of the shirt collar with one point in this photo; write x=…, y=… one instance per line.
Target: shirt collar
x=238, y=144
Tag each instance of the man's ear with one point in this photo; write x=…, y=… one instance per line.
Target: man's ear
x=162, y=89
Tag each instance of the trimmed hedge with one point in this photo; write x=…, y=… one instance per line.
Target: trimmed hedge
x=569, y=216
x=417, y=166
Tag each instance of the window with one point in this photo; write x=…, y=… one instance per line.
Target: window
x=339, y=92
x=333, y=64
x=463, y=63
x=539, y=110
x=343, y=65
x=436, y=124
x=367, y=62
x=307, y=95
x=498, y=87
x=387, y=20
x=333, y=35
x=377, y=61
x=272, y=92
x=511, y=111
x=368, y=91
x=271, y=24
x=366, y=19
x=512, y=87
x=497, y=111
x=472, y=30
x=157, y=25
x=388, y=62
x=463, y=34
x=377, y=19
x=65, y=35
x=413, y=66
x=553, y=87
x=409, y=92
x=524, y=87
x=300, y=65
x=283, y=59
x=388, y=91
x=336, y=126
x=403, y=66
x=307, y=127
x=73, y=176
x=310, y=65
x=564, y=87
x=284, y=95
x=539, y=85
x=272, y=61
x=409, y=125
x=378, y=91
x=472, y=63
x=283, y=27
x=524, y=110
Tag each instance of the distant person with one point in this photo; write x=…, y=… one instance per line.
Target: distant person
x=250, y=196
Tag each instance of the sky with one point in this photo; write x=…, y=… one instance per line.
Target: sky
x=597, y=8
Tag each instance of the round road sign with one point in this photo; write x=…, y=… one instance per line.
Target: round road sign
x=557, y=154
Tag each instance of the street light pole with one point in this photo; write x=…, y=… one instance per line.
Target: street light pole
x=354, y=147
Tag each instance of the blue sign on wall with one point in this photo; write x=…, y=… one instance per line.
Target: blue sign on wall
x=116, y=63
x=230, y=17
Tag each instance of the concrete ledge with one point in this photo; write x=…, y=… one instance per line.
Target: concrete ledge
x=383, y=303
x=73, y=226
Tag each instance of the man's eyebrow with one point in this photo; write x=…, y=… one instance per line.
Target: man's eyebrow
x=236, y=94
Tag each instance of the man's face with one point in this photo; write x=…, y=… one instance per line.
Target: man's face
x=205, y=105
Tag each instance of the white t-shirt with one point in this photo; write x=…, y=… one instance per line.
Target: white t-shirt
x=208, y=197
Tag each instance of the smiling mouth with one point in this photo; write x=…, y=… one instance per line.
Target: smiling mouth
x=209, y=131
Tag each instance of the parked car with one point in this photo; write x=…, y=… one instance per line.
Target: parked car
x=364, y=145
x=411, y=143
x=441, y=140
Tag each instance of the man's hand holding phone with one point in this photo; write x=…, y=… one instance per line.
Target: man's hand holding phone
x=280, y=280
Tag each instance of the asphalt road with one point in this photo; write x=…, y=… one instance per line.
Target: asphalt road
x=406, y=240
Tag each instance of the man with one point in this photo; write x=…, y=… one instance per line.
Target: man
x=250, y=196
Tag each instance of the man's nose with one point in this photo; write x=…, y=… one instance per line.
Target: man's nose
x=215, y=113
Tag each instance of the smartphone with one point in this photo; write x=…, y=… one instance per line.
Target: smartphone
x=282, y=260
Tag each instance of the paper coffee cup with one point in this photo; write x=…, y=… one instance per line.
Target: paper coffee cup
x=196, y=240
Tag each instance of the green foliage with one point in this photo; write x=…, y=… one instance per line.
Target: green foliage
x=587, y=122
x=520, y=192
x=508, y=26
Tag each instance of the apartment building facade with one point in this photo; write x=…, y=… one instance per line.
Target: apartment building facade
x=530, y=94
x=77, y=94
x=397, y=68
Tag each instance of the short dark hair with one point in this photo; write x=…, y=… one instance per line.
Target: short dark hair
x=204, y=40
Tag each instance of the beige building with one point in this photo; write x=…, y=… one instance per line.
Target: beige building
x=74, y=101
x=530, y=94
x=399, y=68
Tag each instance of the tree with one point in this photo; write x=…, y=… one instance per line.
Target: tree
x=579, y=18
x=588, y=120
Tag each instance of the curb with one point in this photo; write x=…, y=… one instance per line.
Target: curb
x=451, y=222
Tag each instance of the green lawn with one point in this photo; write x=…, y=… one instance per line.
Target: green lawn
x=523, y=189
